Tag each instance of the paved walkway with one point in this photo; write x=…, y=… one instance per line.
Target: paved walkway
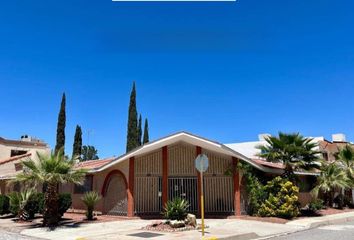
x=131, y=229
x=312, y=222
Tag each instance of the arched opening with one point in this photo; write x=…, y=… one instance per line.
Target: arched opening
x=114, y=192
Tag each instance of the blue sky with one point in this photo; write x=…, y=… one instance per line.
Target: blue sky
x=226, y=71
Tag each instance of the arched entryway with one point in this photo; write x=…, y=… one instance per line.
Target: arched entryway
x=114, y=194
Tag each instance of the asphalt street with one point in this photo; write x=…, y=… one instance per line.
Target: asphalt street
x=343, y=231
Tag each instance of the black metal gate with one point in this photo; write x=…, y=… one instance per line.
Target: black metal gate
x=184, y=187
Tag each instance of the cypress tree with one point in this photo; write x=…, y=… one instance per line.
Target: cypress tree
x=60, y=143
x=146, y=132
x=132, y=132
x=77, y=146
x=140, y=131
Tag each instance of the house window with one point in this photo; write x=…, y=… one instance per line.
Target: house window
x=325, y=156
x=17, y=152
x=18, y=167
x=86, y=187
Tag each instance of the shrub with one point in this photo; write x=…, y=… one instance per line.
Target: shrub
x=256, y=194
x=281, y=201
x=90, y=199
x=64, y=203
x=4, y=204
x=35, y=204
x=14, y=200
x=18, y=203
x=315, y=205
x=176, y=209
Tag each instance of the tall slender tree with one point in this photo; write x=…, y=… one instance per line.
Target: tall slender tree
x=77, y=146
x=132, y=131
x=140, y=131
x=60, y=143
x=146, y=132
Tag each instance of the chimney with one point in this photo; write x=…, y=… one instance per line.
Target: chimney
x=263, y=136
x=338, y=137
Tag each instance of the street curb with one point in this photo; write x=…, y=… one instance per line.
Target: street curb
x=311, y=226
x=244, y=236
x=330, y=222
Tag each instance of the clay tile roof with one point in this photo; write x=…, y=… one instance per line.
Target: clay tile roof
x=269, y=164
x=94, y=164
x=10, y=159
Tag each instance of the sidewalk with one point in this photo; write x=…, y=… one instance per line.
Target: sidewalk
x=313, y=222
x=230, y=229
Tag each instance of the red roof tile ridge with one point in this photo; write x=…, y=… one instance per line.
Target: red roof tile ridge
x=10, y=159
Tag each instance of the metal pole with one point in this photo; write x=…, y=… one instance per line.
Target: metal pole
x=202, y=201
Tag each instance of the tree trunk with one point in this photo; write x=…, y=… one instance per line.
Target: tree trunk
x=51, y=215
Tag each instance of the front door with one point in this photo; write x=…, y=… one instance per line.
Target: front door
x=184, y=187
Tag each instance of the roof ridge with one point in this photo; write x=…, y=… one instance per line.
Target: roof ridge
x=13, y=158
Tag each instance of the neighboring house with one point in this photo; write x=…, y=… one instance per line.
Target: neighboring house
x=327, y=150
x=12, y=152
x=143, y=180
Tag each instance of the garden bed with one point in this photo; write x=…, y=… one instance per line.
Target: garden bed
x=161, y=226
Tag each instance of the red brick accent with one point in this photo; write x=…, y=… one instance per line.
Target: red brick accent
x=237, y=192
x=199, y=151
x=106, y=181
x=164, y=175
x=131, y=188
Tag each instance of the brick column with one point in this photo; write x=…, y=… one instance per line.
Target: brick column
x=199, y=151
x=164, y=176
x=237, y=192
x=131, y=188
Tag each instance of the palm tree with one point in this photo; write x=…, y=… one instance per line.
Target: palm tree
x=332, y=179
x=345, y=156
x=293, y=150
x=90, y=199
x=51, y=170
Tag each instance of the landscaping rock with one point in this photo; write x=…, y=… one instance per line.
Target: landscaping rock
x=191, y=220
x=177, y=224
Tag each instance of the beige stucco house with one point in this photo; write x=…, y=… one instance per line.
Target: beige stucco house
x=140, y=182
x=12, y=152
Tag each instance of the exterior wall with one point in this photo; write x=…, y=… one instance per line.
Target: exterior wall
x=219, y=188
x=148, y=181
x=5, y=150
x=97, y=185
x=9, y=168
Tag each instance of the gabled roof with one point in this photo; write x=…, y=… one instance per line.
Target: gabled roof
x=94, y=164
x=187, y=138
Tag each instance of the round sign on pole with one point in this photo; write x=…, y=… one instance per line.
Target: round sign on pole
x=202, y=163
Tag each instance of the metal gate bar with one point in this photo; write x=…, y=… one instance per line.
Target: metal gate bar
x=186, y=188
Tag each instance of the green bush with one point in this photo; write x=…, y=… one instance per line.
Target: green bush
x=256, y=194
x=4, y=204
x=281, y=200
x=35, y=204
x=64, y=203
x=315, y=205
x=18, y=204
x=14, y=200
x=176, y=209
